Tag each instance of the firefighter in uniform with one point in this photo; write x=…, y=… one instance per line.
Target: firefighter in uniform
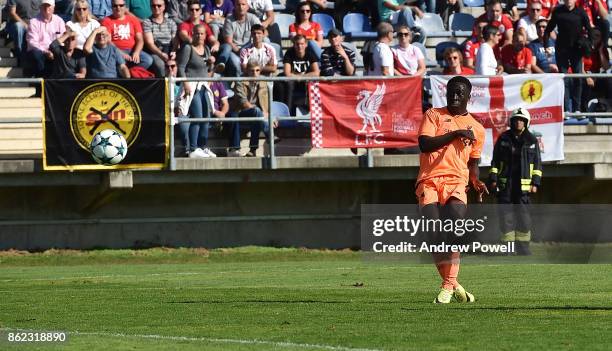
x=516, y=171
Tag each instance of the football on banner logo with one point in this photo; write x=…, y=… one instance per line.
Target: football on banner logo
x=493, y=99
x=365, y=114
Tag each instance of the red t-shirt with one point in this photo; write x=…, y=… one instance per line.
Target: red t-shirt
x=188, y=26
x=593, y=64
x=311, y=33
x=504, y=24
x=547, y=6
x=123, y=32
x=471, y=49
x=465, y=71
x=517, y=59
x=591, y=8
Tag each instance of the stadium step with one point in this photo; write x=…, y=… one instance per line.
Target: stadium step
x=8, y=62
x=5, y=52
x=16, y=92
x=31, y=111
x=11, y=72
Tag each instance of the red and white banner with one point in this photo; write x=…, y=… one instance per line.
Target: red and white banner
x=493, y=99
x=365, y=114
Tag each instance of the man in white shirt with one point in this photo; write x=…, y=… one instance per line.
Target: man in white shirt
x=486, y=63
x=382, y=56
x=527, y=24
x=259, y=51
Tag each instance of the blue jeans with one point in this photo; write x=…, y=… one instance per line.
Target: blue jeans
x=17, y=32
x=573, y=87
x=145, y=59
x=405, y=18
x=231, y=61
x=38, y=63
x=256, y=127
x=315, y=49
x=195, y=135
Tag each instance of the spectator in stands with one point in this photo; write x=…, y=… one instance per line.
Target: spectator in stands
x=547, y=6
x=527, y=24
x=570, y=45
x=100, y=8
x=104, y=60
x=445, y=8
x=82, y=23
x=298, y=61
x=251, y=100
x=64, y=9
x=159, y=37
x=486, y=61
x=178, y=11
x=318, y=5
x=20, y=14
x=264, y=10
x=382, y=56
x=68, y=63
x=597, y=11
x=259, y=51
x=509, y=8
x=337, y=59
x=454, y=63
x=139, y=8
x=185, y=29
x=309, y=29
x=473, y=44
x=126, y=34
x=517, y=58
x=494, y=16
x=195, y=60
x=596, y=63
x=397, y=13
x=43, y=29
x=215, y=12
x=408, y=60
x=544, y=52
x=236, y=33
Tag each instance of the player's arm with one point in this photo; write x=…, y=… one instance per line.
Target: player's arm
x=433, y=143
x=475, y=182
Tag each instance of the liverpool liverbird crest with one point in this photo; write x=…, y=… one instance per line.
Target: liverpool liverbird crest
x=367, y=108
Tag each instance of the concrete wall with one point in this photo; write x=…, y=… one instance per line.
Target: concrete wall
x=300, y=213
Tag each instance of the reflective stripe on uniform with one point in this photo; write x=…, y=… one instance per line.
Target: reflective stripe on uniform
x=494, y=170
x=523, y=236
x=536, y=172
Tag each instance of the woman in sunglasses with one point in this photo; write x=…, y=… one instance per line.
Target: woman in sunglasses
x=82, y=23
x=309, y=29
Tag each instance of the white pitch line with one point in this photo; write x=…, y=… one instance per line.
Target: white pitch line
x=213, y=340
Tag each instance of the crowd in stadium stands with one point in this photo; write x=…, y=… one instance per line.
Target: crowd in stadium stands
x=233, y=38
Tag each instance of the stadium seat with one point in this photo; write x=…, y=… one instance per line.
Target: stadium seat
x=357, y=25
x=440, y=47
x=279, y=54
x=326, y=21
x=358, y=57
x=521, y=4
x=278, y=7
x=576, y=122
x=428, y=62
x=284, y=20
x=461, y=24
x=433, y=25
x=280, y=109
x=473, y=3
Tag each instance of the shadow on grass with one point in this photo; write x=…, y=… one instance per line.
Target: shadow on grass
x=516, y=308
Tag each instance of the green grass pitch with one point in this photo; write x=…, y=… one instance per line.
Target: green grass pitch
x=292, y=299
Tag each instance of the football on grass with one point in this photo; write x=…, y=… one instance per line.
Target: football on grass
x=108, y=147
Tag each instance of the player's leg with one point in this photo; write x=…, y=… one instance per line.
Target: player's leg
x=427, y=195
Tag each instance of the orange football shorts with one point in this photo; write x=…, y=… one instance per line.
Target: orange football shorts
x=440, y=189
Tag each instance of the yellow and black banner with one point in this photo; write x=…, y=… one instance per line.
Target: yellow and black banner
x=76, y=109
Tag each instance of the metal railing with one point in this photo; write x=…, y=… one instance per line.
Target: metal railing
x=272, y=162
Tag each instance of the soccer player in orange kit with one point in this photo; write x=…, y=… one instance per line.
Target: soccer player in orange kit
x=451, y=142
